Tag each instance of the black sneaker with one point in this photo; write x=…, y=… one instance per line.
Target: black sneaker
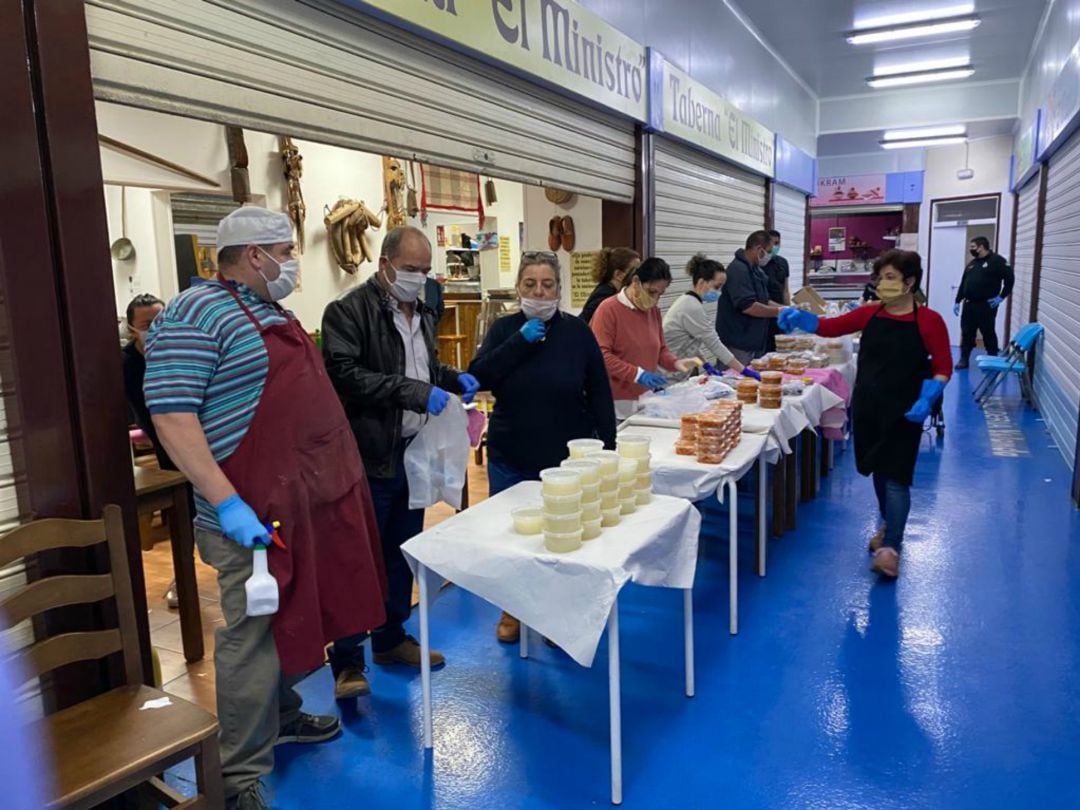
x=962, y=364
x=251, y=798
x=309, y=728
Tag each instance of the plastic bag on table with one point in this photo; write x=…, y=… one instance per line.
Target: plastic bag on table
x=673, y=402
x=436, y=460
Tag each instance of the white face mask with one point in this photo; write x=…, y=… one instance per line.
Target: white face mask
x=542, y=308
x=406, y=287
x=285, y=283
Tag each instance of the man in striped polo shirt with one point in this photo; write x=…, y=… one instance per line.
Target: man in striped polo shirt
x=241, y=400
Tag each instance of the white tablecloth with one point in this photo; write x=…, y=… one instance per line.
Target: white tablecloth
x=566, y=597
x=684, y=476
x=815, y=402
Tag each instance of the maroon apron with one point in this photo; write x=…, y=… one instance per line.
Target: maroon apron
x=298, y=464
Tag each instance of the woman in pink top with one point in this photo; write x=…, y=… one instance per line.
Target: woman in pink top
x=630, y=331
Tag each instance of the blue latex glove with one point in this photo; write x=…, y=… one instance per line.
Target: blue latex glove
x=749, y=372
x=956, y=309
x=930, y=394
x=240, y=523
x=791, y=319
x=437, y=401
x=711, y=370
x=651, y=380
x=996, y=301
x=533, y=330
x=469, y=386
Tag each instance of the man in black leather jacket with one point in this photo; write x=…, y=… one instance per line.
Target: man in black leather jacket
x=379, y=348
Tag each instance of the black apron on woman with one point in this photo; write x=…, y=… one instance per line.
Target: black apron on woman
x=893, y=363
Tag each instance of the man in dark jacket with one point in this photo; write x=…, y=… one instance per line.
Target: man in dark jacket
x=987, y=282
x=777, y=272
x=743, y=312
x=379, y=347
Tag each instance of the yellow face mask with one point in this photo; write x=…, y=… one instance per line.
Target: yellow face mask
x=890, y=289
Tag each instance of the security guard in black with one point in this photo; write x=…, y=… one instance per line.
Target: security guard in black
x=987, y=282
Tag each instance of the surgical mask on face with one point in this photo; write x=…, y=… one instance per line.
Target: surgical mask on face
x=776, y=250
x=282, y=286
x=711, y=297
x=890, y=289
x=641, y=299
x=407, y=285
x=542, y=308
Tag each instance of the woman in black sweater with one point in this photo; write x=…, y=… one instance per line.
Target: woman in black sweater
x=613, y=267
x=550, y=385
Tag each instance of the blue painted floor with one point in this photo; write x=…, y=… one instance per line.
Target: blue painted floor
x=957, y=687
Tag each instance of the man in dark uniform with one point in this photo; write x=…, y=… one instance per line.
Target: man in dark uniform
x=777, y=273
x=987, y=281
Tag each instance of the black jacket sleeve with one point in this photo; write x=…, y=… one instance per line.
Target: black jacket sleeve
x=961, y=293
x=598, y=296
x=346, y=331
x=598, y=395
x=503, y=350
x=1007, y=277
x=740, y=287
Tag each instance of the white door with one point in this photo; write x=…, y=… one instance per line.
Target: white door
x=948, y=253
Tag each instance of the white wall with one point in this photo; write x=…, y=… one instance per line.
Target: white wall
x=330, y=173
x=1057, y=39
x=989, y=158
x=881, y=162
x=587, y=213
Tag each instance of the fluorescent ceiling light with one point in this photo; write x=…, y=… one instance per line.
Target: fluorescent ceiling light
x=925, y=132
x=912, y=144
x=919, y=78
x=909, y=17
x=955, y=25
x=920, y=67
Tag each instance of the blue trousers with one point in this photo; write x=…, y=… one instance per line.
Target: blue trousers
x=894, y=503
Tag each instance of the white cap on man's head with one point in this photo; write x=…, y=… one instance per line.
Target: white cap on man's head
x=252, y=225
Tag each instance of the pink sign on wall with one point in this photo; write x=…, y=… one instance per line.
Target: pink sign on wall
x=851, y=189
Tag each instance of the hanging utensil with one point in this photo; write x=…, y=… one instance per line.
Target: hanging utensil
x=123, y=249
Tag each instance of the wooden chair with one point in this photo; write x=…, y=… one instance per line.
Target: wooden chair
x=106, y=745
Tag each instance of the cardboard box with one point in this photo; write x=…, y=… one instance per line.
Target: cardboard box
x=809, y=298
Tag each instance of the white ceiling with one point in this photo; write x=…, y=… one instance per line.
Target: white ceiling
x=809, y=35
x=868, y=142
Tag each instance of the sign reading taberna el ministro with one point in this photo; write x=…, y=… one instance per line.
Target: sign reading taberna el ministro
x=687, y=110
x=557, y=41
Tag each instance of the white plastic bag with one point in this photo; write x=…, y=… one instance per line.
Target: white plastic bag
x=436, y=460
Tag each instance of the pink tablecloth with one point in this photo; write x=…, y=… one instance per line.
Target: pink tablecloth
x=834, y=420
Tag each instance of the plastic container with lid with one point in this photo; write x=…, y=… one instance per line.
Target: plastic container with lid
x=562, y=524
x=634, y=446
x=628, y=470
x=627, y=506
x=562, y=504
x=644, y=464
x=588, y=467
x=627, y=491
x=590, y=511
x=609, y=500
x=644, y=497
x=558, y=481
x=590, y=529
x=580, y=448
x=644, y=481
x=609, y=483
x=590, y=492
x=609, y=461
x=611, y=517
x=771, y=378
x=562, y=543
x=528, y=520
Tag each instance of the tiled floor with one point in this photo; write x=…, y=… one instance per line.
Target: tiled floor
x=195, y=682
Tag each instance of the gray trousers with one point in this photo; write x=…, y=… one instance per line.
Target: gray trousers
x=254, y=699
x=744, y=356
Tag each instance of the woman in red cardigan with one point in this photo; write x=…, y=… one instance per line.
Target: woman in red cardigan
x=630, y=331
x=904, y=363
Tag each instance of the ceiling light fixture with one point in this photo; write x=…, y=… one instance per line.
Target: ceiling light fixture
x=918, y=142
x=909, y=17
x=925, y=77
x=925, y=132
x=899, y=32
x=921, y=67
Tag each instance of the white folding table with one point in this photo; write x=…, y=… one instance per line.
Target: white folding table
x=569, y=598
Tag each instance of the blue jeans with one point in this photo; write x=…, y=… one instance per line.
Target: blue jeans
x=894, y=503
x=503, y=476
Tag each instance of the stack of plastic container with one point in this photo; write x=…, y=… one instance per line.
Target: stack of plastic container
x=591, y=519
x=562, y=509
x=637, y=448
x=610, y=508
x=687, y=442
x=628, y=470
x=579, y=448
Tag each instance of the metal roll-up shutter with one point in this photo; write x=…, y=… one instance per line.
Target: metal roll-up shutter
x=1057, y=372
x=319, y=70
x=703, y=205
x=789, y=217
x=1027, y=210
